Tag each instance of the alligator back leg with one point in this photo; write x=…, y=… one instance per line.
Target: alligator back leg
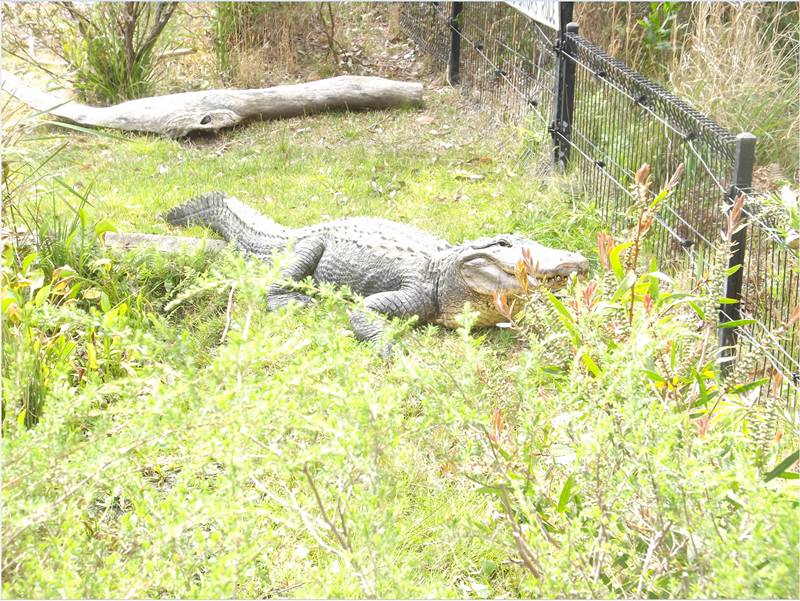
x=307, y=253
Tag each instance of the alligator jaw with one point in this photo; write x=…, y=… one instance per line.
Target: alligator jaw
x=557, y=278
x=545, y=266
x=552, y=282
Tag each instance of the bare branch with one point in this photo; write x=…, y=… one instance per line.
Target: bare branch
x=339, y=536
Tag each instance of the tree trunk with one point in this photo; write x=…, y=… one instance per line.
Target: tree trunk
x=177, y=115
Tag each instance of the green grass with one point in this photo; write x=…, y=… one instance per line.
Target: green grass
x=194, y=445
x=301, y=172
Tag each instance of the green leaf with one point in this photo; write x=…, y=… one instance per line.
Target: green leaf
x=41, y=296
x=678, y=297
x=731, y=270
x=26, y=262
x=105, y=303
x=624, y=286
x=9, y=299
x=656, y=377
x=708, y=388
x=489, y=490
x=659, y=275
x=488, y=568
x=503, y=453
x=659, y=198
x=563, y=311
x=36, y=278
x=84, y=217
x=742, y=388
x=566, y=316
x=91, y=355
x=736, y=323
x=782, y=467
x=566, y=494
x=697, y=309
x=590, y=364
x=109, y=318
x=103, y=226
x=734, y=500
x=614, y=260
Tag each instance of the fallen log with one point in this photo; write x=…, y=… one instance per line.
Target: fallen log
x=123, y=242
x=164, y=244
x=177, y=115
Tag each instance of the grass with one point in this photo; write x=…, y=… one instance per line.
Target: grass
x=301, y=172
x=191, y=444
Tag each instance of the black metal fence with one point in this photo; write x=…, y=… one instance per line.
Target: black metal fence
x=605, y=120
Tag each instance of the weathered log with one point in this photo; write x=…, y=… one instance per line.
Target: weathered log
x=177, y=115
x=123, y=242
x=164, y=244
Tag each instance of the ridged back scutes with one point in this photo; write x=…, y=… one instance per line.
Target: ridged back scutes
x=378, y=230
x=253, y=218
x=195, y=210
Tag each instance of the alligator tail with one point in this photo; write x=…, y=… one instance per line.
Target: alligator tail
x=234, y=221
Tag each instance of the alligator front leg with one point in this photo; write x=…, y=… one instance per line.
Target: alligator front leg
x=306, y=256
x=368, y=324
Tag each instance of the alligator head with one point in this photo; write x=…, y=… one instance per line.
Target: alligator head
x=479, y=269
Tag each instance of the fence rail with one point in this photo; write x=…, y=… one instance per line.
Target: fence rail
x=605, y=120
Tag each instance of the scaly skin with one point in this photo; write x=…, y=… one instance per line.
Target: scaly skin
x=399, y=270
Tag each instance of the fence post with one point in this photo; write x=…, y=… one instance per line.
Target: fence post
x=453, y=74
x=742, y=180
x=565, y=11
x=564, y=98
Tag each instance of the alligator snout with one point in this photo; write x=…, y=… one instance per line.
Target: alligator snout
x=577, y=264
x=554, y=269
x=563, y=263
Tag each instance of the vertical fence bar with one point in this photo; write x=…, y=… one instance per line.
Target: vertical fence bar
x=564, y=98
x=453, y=66
x=742, y=180
x=565, y=11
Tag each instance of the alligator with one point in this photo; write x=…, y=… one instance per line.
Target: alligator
x=399, y=270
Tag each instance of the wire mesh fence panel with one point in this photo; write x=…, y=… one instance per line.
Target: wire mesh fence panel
x=771, y=297
x=608, y=120
x=423, y=22
x=507, y=60
x=620, y=121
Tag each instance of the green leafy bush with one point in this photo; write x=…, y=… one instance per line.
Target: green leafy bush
x=651, y=469
x=112, y=47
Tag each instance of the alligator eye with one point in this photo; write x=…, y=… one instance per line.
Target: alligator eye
x=504, y=242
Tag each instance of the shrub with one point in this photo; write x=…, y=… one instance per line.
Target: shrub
x=651, y=470
x=112, y=47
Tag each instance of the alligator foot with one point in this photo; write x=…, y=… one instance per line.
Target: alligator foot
x=388, y=351
x=276, y=301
